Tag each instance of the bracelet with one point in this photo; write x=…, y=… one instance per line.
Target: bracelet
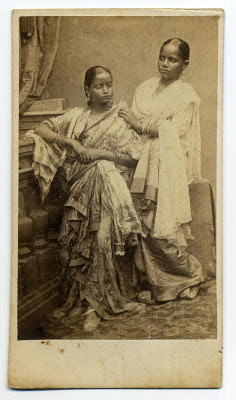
x=116, y=157
x=58, y=141
x=55, y=141
x=148, y=128
x=144, y=128
x=140, y=128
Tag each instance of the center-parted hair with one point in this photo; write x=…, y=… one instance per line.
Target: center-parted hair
x=92, y=72
x=184, y=48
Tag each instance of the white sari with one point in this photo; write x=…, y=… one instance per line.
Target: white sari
x=172, y=161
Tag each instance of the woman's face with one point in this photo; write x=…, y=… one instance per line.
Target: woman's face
x=170, y=63
x=101, y=89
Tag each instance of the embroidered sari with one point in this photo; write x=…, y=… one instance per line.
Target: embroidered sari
x=99, y=217
x=167, y=166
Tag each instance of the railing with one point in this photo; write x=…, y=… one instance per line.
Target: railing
x=38, y=224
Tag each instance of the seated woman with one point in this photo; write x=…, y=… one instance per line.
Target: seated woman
x=97, y=150
x=166, y=113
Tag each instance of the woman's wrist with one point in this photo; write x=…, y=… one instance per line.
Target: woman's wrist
x=102, y=155
x=134, y=123
x=108, y=155
x=154, y=131
x=69, y=142
x=62, y=141
x=139, y=128
x=147, y=128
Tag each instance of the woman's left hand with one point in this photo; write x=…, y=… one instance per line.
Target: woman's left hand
x=128, y=116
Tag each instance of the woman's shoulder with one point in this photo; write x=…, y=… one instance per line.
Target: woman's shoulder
x=189, y=92
x=120, y=104
x=74, y=112
x=149, y=83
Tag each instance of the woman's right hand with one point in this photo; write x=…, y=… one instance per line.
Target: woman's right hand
x=128, y=116
x=83, y=154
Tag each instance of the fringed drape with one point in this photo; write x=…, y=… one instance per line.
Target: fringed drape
x=39, y=43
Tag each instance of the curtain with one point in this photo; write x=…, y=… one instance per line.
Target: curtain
x=38, y=47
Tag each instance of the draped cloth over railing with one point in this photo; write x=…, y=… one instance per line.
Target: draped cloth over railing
x=39, y=43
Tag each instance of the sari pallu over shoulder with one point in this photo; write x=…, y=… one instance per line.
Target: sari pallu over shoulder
x=172, y=161
x=108, y=132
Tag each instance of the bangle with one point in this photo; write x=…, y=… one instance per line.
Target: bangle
x=55, y=141
x=116, y=156
x=140, y=128
x=149, y=125
x=146, y=127
x=117, y=159
x=59, y=141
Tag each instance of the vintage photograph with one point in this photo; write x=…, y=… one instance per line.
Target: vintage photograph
x=118, y=134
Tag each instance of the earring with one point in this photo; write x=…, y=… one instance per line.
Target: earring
x=182, y=74
x=88, y=100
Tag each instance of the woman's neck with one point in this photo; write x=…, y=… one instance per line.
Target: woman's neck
x=167, y=82
x=99, y=108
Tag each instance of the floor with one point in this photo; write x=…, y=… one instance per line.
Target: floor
x=179, y=319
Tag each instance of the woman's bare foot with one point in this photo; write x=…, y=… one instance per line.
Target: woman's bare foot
x=58, y=313
x=146, y=297
x=92, y=320
x=76, y=311
x=189, y=293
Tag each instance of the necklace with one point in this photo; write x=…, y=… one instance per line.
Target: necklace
x=107, y=108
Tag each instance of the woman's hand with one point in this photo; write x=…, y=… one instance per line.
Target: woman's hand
x=128, y=116
x=83, y=153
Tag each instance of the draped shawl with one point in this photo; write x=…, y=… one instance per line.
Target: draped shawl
x=172, y=161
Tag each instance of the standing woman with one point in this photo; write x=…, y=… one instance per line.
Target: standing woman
x=166, y=113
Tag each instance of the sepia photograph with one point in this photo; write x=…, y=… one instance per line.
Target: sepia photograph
x=117, y=170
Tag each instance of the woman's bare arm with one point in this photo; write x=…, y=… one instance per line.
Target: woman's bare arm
x=130, y=118
x=153, y=131
x=86, y=155
x=118, y=158
x=49, y=136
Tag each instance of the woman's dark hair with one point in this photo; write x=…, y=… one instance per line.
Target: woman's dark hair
x=184, y=48
x=92, y=72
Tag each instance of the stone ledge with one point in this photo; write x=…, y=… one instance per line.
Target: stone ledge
x=26, y=145
x=48, y=106
x=37, y=299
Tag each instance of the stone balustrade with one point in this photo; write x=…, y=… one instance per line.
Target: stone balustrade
x=38, y=224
